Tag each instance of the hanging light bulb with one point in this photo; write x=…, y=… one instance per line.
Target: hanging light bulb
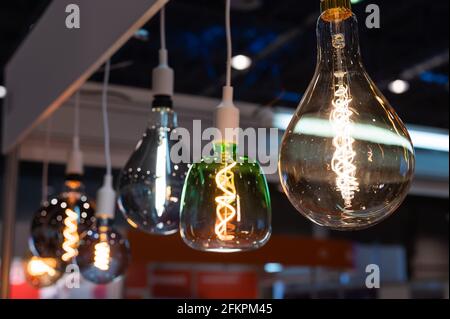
x=102, y=252
x=42, y=272
x=346, y=159
x=225, y=206
x=57, y=225
x=150, y=184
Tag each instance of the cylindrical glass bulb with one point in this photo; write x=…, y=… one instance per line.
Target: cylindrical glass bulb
x=346, y=160
x=226, y=203
x=103, y=253
x=150, y=184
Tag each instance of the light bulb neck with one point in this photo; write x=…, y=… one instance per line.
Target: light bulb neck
x=162, y=115
x=226, y=151
x=335, y=4
x=227, y=117
x=106, y=199
x=104, y=223
x=163, y=76
x=73, y=183
x=338, y=43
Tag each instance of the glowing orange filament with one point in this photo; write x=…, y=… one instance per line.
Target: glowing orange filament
x=225, y=211
x=102, y=254
x=343, y=159
x=70, y=234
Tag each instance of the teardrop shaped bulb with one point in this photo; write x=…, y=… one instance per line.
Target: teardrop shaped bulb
x=150, y=184
x=346, y=159
x=226, y=203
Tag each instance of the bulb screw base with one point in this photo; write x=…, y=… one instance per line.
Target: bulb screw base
x=106, y=199
x=162, y=101
x=75, y=160
x=163, y=76
x=227, y=116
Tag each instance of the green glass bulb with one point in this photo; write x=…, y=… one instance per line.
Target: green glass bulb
x=225, y=206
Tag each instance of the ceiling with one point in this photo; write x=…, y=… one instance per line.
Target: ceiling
x=280, y=38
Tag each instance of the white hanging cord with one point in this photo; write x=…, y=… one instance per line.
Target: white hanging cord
x=162, y=28
x=75, y=160
x=105, y=118
x=163, y=75
x=229, y=42
x=76, y=126
x=227, y=115
x=45, y=162
x=106, y=196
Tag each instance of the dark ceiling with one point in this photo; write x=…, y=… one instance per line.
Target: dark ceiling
x=280, y=37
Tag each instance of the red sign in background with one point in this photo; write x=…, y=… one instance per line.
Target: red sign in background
x=227, y=284
x=187, y=281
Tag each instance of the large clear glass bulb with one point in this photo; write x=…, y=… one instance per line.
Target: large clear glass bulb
x=103, y=253
x=226, y=203
x=150, y=184
x=57, y=225
x=346, y=159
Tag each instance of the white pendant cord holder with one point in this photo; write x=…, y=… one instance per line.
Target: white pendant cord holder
x=163, y=75
x=106, y=196
x=75, y=160
x=227, y=114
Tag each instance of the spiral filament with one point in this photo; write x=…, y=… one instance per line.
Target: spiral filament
x=343, y=159
x=225, y=211
x=70, y=234
x=102, y=254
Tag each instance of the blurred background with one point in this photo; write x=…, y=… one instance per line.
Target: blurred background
x=407, y=58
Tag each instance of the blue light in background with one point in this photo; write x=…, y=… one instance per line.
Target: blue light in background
x=290, y=96
x=142, y=34
x=273, y=267
x=260, y=43
x=279, y=290
x=344, y=279
x=434, y=78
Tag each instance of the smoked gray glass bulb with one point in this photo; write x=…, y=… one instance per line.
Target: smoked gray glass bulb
x=56, y=226
x=103, y=253
x=150, y=184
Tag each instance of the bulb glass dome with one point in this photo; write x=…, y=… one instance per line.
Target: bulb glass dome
x=103, y=253
x=346, y=159
x=150, y=184
x=57, y=225
x=226, y=203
